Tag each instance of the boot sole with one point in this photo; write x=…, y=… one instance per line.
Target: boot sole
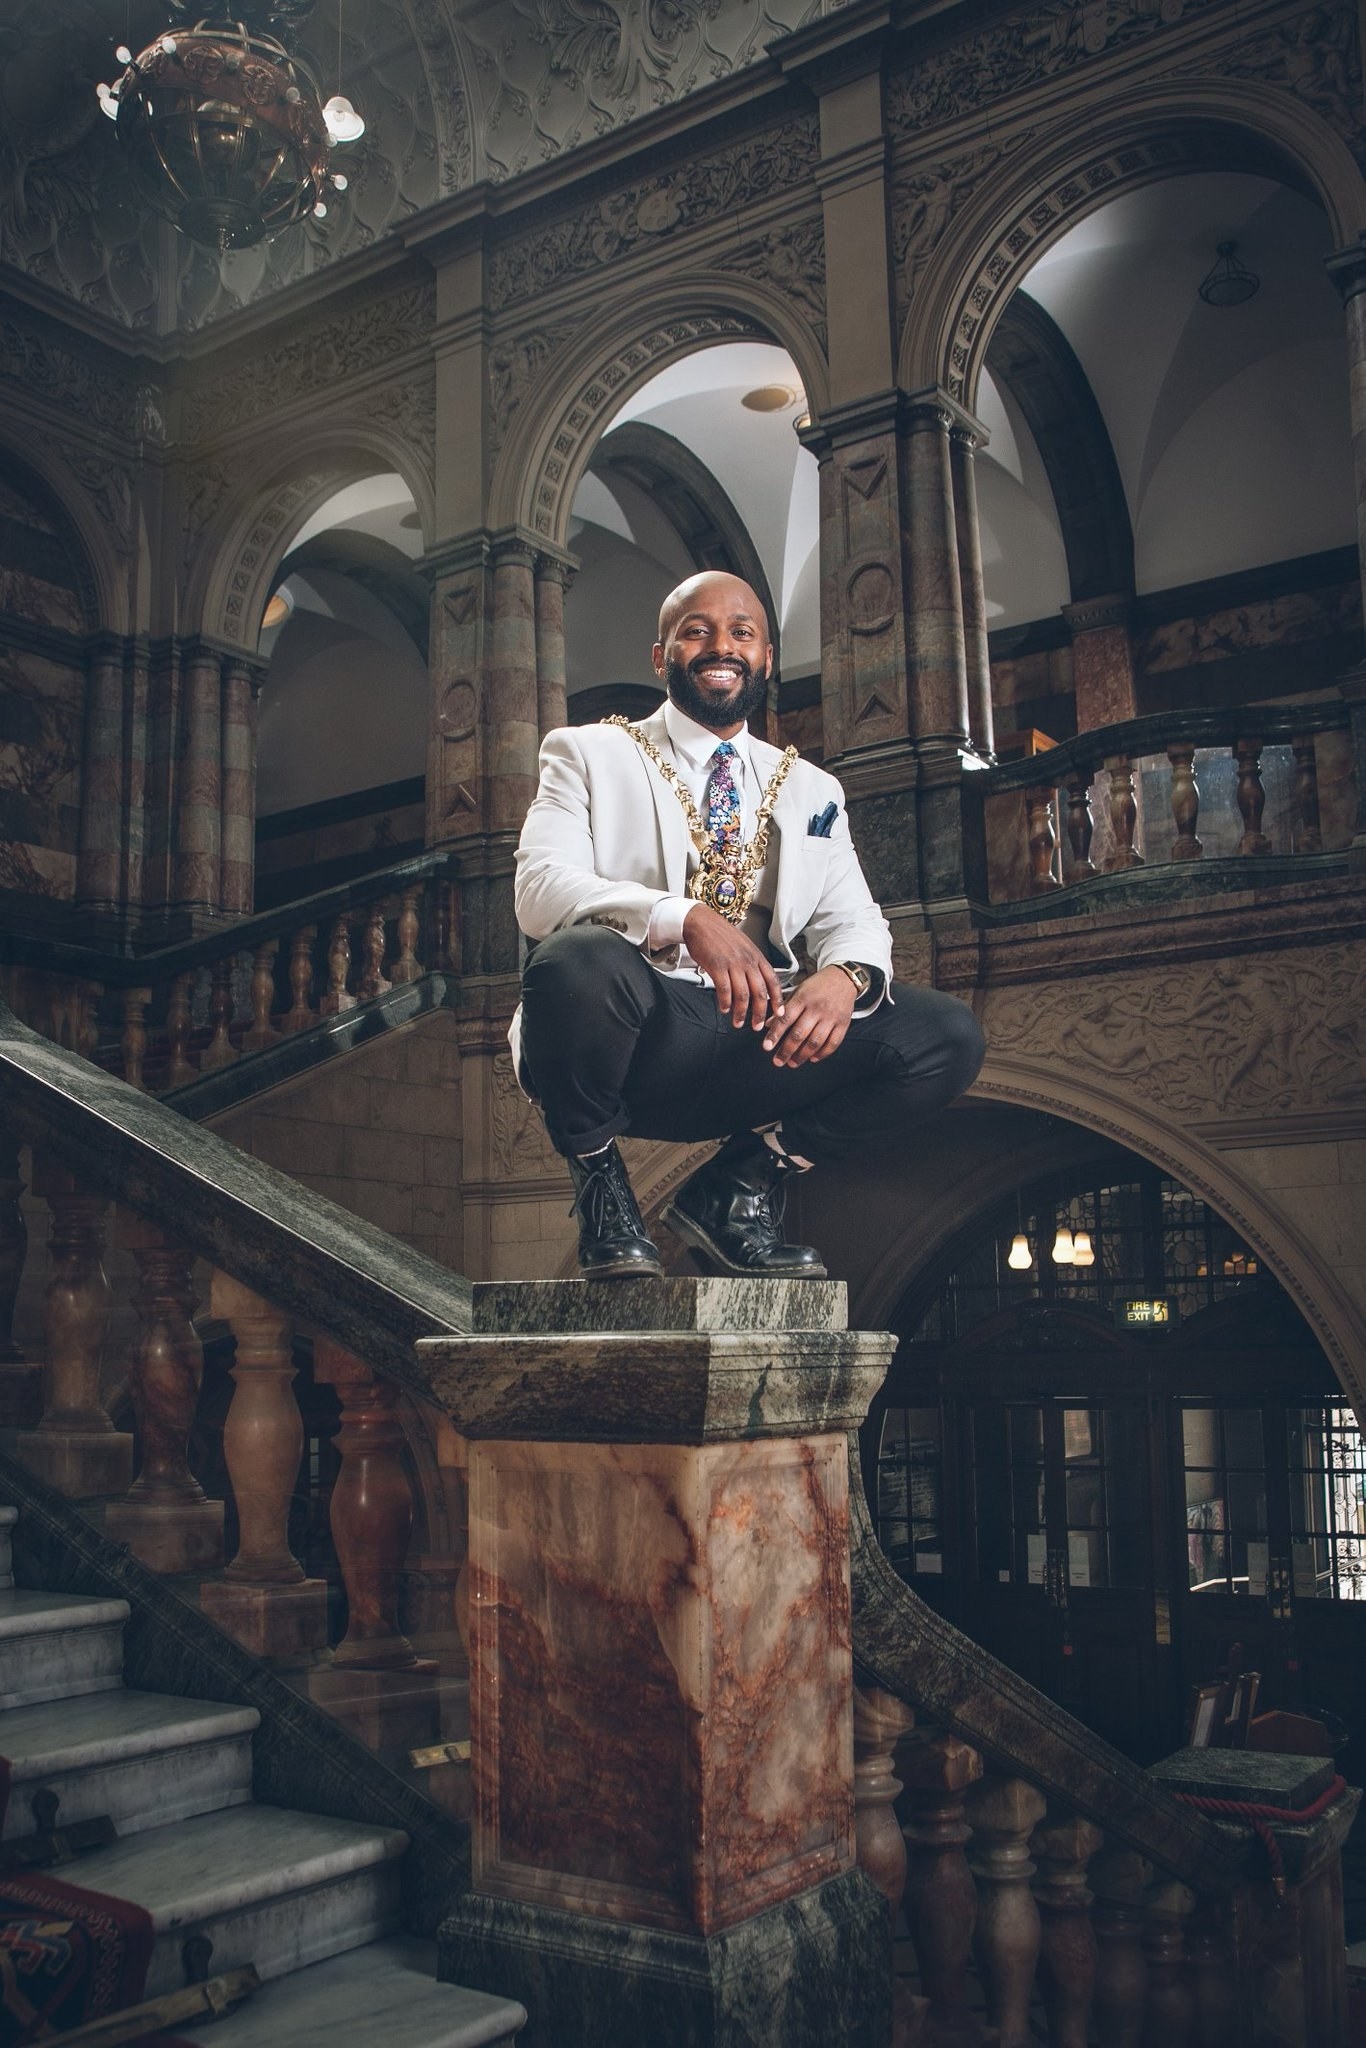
x=697, y=1240
x=628, y=1269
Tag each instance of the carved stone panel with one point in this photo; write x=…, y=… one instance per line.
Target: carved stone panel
x=864, y=598
x=455, y=768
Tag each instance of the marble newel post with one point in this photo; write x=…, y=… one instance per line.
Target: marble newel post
x=661, y=1691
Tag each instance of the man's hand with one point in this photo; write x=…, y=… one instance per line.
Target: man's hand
x=746, y=986
x=816, y=1020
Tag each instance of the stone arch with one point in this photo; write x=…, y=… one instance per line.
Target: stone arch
x=1172, y=126
x=554, y=397
x=246, y=540
x=71, y=502
x=686, y=489
x=1088, y=1103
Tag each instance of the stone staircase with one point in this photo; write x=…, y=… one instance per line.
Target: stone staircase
x=312, y=1901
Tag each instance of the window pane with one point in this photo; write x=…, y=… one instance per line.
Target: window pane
x=1200, y=1436
x=1208, y=1562
x=1247, y=1503
x=1243, y=1444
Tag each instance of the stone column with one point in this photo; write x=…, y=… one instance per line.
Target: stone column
x=198, y=810
x=553, y=577
x=99, y=862
x=513, y=731
x=661, y=1694
x=237, y=828
x=937, y=646
x=963, y=444
x=1102, y=660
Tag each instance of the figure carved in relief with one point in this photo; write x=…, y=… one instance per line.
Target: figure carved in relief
x=668, y=876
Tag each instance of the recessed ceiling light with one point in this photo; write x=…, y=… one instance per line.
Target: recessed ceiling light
x=278, y=610
x=772, y=398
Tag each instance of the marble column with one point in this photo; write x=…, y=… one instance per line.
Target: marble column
x=237, y=793
x=553, y=577
x=75, y=1448
x=936, y=643
x=99, y=861
x=963, y=443
x=661, y=1694
x=1102, y=660
x=198, y=811
x=1347, y=268
x=513, y=731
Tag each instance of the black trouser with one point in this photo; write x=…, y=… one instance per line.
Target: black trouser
x=611, y=1046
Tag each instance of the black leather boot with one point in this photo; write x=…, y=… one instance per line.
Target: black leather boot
x=732, y=1212
x=612, y=1240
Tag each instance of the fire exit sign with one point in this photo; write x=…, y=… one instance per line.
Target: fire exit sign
x=1149, y=1313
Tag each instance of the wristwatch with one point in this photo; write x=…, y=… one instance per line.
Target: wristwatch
x=858, y=974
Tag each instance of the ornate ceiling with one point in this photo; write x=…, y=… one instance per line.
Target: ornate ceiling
x=453, y=91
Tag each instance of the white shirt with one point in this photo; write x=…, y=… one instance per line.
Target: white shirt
x=693, y=746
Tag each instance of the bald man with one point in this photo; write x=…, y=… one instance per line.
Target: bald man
x=707, y=960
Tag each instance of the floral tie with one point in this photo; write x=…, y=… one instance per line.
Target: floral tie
x=723, y=803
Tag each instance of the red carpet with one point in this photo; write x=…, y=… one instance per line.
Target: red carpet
x=66, y=1956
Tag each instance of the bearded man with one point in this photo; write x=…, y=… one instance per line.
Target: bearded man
x=669, y=876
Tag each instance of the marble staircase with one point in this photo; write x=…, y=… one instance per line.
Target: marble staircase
x=311, y=1900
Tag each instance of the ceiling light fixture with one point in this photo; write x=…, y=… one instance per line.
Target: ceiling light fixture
x=223, y=128
x=1230, y=283
x=773, y=398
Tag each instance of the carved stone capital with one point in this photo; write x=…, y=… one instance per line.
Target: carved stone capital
x=1115, y=608
x=1347, y=268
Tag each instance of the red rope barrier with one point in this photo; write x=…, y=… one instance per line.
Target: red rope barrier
x=1259, y=1818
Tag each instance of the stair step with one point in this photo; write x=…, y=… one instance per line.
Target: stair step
x=8, y=1518
x=54, y=1646
x=385, y=1992
x=144, y=1758
x=267, y=1885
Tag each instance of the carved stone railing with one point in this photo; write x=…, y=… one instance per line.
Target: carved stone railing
x=1190, y=792
x=166, y=1020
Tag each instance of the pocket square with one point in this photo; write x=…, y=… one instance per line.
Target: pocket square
x=819, y=828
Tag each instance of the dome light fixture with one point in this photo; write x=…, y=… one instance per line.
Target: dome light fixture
x=773, y=398
x=1229, y=283
x=223, y=128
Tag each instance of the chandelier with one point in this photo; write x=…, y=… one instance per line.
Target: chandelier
x=223, y=128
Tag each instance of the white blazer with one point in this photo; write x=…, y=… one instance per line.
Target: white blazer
x=606, y=838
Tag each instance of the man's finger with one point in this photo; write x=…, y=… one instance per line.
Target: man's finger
x=762, y=996
x=721, y=983
x=795, y=1035
x=774, y=988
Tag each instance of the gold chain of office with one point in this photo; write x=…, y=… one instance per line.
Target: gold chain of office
x=725, y=880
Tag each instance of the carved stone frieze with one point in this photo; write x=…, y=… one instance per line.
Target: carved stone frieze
x=311, y=363
x=206, y=487
x=516, y=364
x=792, y=259
x=637, y=216
x=1046, y=42
x=1285, y=1033
x=521, y=1144
x=65, y=380
x=1315, y=56
x=926, y=199
x=597, y=395
x=107, y=484
x=409, y=406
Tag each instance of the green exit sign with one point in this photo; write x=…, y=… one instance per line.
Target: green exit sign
x=1150, y=1313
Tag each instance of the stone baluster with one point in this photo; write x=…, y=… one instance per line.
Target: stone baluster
x=1123, y=816
x=337, y=998
x=1003, y=1813
x=300, y=1015
x=1214, y=1988
x=1043, y=840
x=1119, y=1880
x=880, y=1719
x=1171, y=2006
x=13, y=1245
x=408, y=967
x=261, y=1032
x=220, y=1050
x=371, y=1510
x=1067, y=1954
x=166, y=1520
x=264, y=1600
x=372, y=981
x=1307, y=835
x=1185, y=804
x=940, y=1898
x=133, y=1044
x=179, y=1069
x=1251, y=796
x=75, y=1447
x=1080, y=828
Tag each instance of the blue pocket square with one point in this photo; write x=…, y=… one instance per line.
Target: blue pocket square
x=819, y=828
